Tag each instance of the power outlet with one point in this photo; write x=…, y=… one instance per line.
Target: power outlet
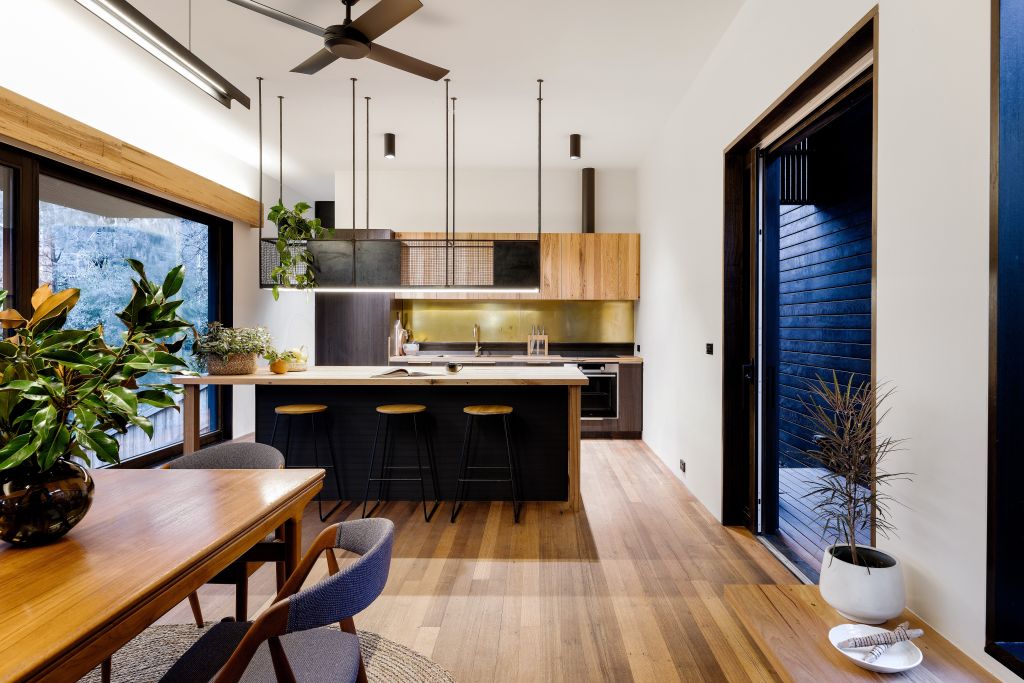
x=682, y=465
x=709, y=349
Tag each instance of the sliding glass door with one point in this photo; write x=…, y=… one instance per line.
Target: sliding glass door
x=6, y=222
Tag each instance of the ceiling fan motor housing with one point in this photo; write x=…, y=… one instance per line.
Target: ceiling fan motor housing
x=346, y=42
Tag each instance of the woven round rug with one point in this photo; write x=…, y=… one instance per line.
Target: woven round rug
x=150, y=654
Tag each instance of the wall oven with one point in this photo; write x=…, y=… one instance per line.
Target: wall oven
x=599, y=399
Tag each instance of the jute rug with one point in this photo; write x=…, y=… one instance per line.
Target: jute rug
x=146, y=658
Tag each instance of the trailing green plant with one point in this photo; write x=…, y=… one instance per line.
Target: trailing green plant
x=65, y=392
x=845, y=420
x=272, y=355
x=295, y=267
x=227, y=341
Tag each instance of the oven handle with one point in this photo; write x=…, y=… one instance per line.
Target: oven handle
x=588, y=374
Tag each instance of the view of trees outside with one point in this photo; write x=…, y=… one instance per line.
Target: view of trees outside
x=82, y=248
x=6, y=193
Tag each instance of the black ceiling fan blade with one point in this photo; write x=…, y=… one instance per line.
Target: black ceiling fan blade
x=280, y=16
x=384, y=16
x=316, y=62
x=379, y=53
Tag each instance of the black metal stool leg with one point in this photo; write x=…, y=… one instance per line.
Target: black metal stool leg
x=334, y=465
x=316, y=462
x=511, y=470
x=369, y=472
x=432, y=461
x=288, y=444
x=419, y=467
x=383, y=485
x=459, y=482
x=273, y=434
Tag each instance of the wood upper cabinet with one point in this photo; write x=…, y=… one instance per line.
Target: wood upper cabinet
x=573, y=266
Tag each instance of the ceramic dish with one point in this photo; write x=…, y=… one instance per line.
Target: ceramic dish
x=900, y=657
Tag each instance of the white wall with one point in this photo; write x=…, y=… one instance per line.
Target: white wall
x=487, y=200
x=932, y=270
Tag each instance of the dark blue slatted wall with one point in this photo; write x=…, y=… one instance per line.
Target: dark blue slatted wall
x=824, y=308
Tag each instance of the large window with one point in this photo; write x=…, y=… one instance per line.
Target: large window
x=85, y=237
x=79, y=232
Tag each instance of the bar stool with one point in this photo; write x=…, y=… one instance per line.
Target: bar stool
x=296, y=410
x=472, y=413
x=385, y=413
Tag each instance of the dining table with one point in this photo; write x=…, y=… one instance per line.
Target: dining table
x=151, y=538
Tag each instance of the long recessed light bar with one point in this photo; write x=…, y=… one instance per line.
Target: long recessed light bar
x=420, y=290
x=157, y=42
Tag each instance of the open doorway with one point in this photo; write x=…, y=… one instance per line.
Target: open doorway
x=815, y=270
x=798, y=294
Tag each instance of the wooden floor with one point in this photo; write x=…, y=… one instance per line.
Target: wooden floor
x=799, y=526
x=631, y=588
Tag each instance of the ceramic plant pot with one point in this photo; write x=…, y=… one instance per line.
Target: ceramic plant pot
x=234, y=364
x=39, y=507
x=870, y=594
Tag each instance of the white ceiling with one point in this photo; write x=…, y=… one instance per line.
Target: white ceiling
x=612, y=71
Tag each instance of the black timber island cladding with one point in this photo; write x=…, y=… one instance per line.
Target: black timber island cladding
x=539, y=424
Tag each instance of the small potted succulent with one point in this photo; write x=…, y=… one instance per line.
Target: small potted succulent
x=861, y=582
x=66, y=393
x=232, y=350
x=295, y=267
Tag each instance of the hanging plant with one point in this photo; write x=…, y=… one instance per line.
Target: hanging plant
x=295, y=268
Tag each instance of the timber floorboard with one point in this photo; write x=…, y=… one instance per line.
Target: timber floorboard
x=630, y=588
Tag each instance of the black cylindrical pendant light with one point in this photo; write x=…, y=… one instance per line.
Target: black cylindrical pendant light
x=389, y=145
x=574, y=146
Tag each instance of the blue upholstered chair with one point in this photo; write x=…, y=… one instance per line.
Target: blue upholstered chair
x=290, y=641
x=238, y=455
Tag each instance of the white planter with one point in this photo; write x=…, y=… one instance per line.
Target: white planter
x=869, y=596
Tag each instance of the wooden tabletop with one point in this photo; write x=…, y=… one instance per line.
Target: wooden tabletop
x=150, y=539
x=367, y=375
x=790, y=624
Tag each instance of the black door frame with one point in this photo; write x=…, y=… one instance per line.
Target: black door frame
x=739, y=352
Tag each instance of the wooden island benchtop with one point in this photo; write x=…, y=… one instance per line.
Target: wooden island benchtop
x=545, y=399
x=368, y=375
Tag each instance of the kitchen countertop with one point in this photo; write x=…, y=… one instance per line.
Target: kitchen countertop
x=362, y=375
x=469, y=359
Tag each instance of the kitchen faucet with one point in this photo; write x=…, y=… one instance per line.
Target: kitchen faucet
x=476, y=340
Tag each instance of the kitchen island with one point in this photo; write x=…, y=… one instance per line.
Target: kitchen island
x=545, y=422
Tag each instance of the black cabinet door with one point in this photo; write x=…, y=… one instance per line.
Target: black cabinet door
x=352, y=329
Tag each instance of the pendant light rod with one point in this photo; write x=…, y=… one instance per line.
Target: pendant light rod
x=367, y=163
x=453, y=167
x=353, y=155
x=447, y=83
x=280, y=149
x=540, y=100
x=259, y=117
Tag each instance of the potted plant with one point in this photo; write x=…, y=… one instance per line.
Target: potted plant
x=65, y=393
x=294, y=230
x=232, y=350
x=863, y=583
x=280, y=361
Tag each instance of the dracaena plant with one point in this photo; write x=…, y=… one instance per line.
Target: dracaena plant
x=845, y=419
x=295, y=267
x=66, y=392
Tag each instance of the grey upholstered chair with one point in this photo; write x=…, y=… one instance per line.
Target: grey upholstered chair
x=289, y=642
x=238, y=455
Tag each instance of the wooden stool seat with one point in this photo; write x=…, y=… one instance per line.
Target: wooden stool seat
x=300, y=409
x=487, y=410
x=401, y=409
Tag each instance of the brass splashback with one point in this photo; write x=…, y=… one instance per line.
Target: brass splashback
x=598, y=322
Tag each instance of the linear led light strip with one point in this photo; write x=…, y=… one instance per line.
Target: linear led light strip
x=439, y=290
x=150, y=37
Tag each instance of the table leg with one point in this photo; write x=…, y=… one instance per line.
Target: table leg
x=574, y=448
x=293, y=539
x=190, y=419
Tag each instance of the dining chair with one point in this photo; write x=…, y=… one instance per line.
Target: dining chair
x=289, y=641
x=238, y=455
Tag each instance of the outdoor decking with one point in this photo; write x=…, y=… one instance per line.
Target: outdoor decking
x=799, y=526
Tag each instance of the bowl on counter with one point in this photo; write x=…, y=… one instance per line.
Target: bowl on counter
x=411, y=349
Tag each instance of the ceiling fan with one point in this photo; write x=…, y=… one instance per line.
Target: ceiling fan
x=354, y=39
